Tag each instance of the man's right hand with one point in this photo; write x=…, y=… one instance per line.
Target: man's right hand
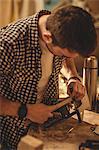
x=38, y=113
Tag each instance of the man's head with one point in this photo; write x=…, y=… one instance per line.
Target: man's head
x=72, y=28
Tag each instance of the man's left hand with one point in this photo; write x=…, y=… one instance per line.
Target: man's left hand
x=75, y=89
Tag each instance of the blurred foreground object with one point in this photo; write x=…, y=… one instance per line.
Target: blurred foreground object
x=89, y=145
x=30, y=143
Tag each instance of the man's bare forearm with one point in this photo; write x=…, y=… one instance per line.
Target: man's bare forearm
x=7, y=107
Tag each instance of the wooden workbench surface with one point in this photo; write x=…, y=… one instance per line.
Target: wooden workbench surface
x=58, y=138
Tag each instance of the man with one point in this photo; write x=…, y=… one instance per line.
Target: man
x=32, y=53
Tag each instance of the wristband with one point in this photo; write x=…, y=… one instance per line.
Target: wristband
x=22, y=112
x=75, y=78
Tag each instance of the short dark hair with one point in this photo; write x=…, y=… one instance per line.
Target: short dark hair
x=73, y=28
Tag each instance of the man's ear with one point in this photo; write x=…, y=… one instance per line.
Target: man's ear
x=47, y=37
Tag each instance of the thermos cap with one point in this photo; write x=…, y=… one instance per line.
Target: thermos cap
x=91, y=62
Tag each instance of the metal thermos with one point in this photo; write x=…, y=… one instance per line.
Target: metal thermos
x=90, y=72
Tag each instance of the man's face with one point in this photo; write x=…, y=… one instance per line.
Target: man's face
x=56, y=50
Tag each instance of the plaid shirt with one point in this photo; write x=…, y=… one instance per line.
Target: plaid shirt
x=20, y=71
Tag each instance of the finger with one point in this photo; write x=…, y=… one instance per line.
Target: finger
x=50, y=115
x=80, y=92
x=83, y=91
x=70, y=89
x=74, y=90
x=57, y=114
x=77, y=93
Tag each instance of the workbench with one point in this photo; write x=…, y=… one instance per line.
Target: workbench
x=59, y=137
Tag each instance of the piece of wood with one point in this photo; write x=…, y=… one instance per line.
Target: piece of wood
x=91, y=117
x=30, y=143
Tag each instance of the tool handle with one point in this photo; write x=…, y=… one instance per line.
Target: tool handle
x=59, y=105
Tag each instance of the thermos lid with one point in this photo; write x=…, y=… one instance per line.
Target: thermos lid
x=91, y=62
